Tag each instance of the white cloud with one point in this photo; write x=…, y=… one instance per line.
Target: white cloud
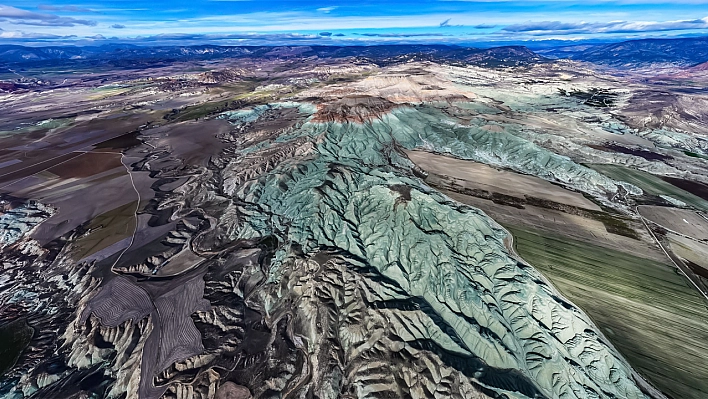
x=24, y=17
x=558, y=27
x=401, y=34
x=30, y=35
x=63, y=8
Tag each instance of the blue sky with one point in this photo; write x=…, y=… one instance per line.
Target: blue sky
x=354, y=22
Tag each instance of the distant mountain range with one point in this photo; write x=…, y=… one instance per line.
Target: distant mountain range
x=647, y=52
x=497, y=56
x=15, y=54
x=683, y=52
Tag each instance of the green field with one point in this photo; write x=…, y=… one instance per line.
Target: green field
x=649, y=183
x=695, y=155
x=105, y=230
x=647, y=310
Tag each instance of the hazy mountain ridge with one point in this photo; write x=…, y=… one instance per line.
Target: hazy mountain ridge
x=506, y=55
x=642, y=53
x=646, y=52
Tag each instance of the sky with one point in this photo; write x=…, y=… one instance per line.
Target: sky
x=258, y=22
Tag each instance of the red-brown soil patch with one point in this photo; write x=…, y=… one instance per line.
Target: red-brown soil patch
x=88, y=164
x=357, y=109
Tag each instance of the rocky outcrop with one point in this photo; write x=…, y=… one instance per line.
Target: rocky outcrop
x=16, y=222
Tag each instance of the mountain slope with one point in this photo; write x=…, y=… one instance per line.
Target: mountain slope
x=647, y=52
